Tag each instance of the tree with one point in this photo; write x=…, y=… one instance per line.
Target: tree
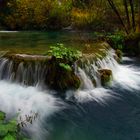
x=113, y=6
x=127, y=14
x=131, y=23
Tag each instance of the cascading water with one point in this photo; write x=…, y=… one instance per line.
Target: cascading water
x=16, y=99
x=26, y=74
x=27, y=100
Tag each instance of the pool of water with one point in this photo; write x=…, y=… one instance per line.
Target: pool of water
x=36, y=42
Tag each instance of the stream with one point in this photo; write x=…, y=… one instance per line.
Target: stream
x=90, y=113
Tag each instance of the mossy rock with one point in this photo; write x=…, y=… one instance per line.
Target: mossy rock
x=60, y=79
x=106, y=76
x=118, y=55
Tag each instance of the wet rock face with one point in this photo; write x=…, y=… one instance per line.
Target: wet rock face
x=31, y=70
x=106, y=76
x=59, y=78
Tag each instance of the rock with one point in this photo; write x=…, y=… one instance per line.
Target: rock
x=106, y=76
x=60, y=79
x=55, y=76
x=118, y=55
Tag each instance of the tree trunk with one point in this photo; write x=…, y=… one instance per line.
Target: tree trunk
x=111, y=3
x=138, y=18
x=127, y=14
x=133, y=14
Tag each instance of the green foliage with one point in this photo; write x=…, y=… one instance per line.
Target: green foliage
x=9, y=130
x=61, y=52
x=65, y=56
x=36, y=14
x=117, y=40
x=65, y=66
x=56, y=14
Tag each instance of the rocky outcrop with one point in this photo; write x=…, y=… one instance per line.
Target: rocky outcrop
x=35, y=69
x=59, y=78
x=47, y=71
x=106, y=76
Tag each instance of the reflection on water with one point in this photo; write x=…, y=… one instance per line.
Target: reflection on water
x=38, y=42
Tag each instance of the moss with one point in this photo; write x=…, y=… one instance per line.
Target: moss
x=56, y=76
x=106, y=76
x=59, y=78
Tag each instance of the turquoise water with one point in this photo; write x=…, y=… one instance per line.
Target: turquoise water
x=38, y=42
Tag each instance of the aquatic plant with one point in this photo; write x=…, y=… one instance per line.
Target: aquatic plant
x=64, y=56
x=60, y=73
x=9, y=130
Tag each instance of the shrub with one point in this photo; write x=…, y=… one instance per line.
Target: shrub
x=36, y=14
x=116, y=40
x=64, y=56
x=9, y=130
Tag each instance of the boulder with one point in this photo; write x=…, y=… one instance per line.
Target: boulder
x=106, y=76
x=61, y=79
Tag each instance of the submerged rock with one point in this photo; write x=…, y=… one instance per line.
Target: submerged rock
x=106, y=76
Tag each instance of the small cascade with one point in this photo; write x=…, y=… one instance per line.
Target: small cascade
x=27, y=73
x=124, y=75
x=34, y=72
x=88, y=70
x=28, y=101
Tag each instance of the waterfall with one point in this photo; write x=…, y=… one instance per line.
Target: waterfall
x=24, y=73
x=124, y=76
x=27, y=101
x=15, y=97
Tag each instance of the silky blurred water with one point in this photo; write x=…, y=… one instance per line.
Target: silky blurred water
x=111, y=113
x=118, y=119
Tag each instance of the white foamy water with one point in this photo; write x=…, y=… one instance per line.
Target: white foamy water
x=99, y=95
x=28, y=100
x=126, y=76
